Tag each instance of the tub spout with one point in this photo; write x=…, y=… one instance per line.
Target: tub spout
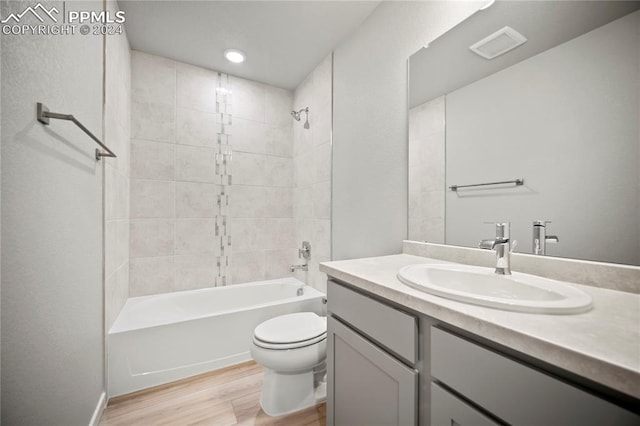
x=304, y=267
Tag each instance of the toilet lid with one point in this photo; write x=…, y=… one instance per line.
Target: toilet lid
x=291, y=328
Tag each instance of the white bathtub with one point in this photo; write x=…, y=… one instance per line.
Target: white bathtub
x=161, y=338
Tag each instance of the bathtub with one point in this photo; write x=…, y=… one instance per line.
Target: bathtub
x=161, y=338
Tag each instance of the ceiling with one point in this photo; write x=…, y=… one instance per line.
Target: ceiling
x=283, y=40
x=447, y=63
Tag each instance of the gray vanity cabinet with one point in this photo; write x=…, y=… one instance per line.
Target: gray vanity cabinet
x=370, y=383
x=448, y=410
x=509, y=390
x=381, y=373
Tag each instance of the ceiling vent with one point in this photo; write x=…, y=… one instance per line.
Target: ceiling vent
x=498, y=43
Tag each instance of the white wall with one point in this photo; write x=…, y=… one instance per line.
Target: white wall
x=369, y=205
x=52, y=283
x=566, y=121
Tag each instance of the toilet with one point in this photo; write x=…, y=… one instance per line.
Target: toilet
x=292, y=348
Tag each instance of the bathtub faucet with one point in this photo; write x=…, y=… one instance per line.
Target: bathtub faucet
x=303, y=253
x=304, y=267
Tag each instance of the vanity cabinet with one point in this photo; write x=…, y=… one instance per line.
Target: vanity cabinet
x=383, y=372
x=371, y=354
x=473, y=384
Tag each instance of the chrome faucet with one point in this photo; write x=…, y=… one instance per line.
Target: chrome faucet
x=303, y=253
x=503, y=246
x=540, y=237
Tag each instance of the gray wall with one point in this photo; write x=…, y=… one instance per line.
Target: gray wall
x=565, y=120
x=52, y=292
x=369, y=205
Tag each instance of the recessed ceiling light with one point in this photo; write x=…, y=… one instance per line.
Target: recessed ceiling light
x=234, y=55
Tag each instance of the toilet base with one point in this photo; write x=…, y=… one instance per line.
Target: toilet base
x=286, y=393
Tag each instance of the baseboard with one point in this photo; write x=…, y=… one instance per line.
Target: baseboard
x=102, y=403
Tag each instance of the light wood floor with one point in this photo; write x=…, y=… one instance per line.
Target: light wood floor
x=225, y=397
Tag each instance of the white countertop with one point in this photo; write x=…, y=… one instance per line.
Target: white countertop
x=602, y=345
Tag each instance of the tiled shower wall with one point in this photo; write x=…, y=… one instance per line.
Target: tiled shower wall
x=312, y=160
x=117, y=134
x=426, y=171
x=188, y=230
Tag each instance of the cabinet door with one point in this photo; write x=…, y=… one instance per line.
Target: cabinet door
x=367, y=386
x=447, y=410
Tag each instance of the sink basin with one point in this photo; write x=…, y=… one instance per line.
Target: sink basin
x=481, y=286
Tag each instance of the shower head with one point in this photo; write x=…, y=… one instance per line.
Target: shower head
x=296, y=116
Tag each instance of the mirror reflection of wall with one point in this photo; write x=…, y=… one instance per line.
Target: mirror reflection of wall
x=565, y=120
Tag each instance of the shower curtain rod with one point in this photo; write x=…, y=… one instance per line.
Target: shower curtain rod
x=43, y=115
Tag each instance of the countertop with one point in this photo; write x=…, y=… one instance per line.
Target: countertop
x=602, y=345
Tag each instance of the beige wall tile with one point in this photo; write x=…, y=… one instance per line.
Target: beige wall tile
x=278, y=106
x=195, y=236
x=248, y=169
x=248, y=234
x=321, y=194
x=195, y=164
x=152, y=237
x=196, y=200
x=153, y=79
x=194, y=271
x=247, y=201
x=247, y=266
x=116, y=293
x=152, y=160
x=278, y=202
x=152, y=199
x=152, y=121
x=279, y=234
x=248, y=136
x=196, y=88
x=279, y=140
x=151, y=275
x=248, y=99
x=278, y=171
x=198, y=128
x=278, y=262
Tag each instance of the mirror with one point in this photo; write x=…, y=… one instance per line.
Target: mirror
x=559, y=112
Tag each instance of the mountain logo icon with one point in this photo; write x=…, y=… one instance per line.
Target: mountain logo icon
x=33, y=11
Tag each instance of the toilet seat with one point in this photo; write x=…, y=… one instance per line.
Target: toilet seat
x=292, y=345
x=291, y=331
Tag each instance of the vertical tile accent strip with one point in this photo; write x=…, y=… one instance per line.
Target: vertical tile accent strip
x=224, y=156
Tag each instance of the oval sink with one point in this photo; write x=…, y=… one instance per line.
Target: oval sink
x=481, y=286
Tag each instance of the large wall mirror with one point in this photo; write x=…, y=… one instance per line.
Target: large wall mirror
x=555, y=118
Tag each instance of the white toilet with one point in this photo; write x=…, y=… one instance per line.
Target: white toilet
x=292, y=348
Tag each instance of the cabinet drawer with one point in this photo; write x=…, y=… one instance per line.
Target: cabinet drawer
x=447, y=410
x=514, y=392
x=392, y=328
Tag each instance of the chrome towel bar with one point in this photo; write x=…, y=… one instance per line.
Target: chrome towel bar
x=43, y=115
x=517, y=182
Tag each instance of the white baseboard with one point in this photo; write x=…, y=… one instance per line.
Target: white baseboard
x=102, y=402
